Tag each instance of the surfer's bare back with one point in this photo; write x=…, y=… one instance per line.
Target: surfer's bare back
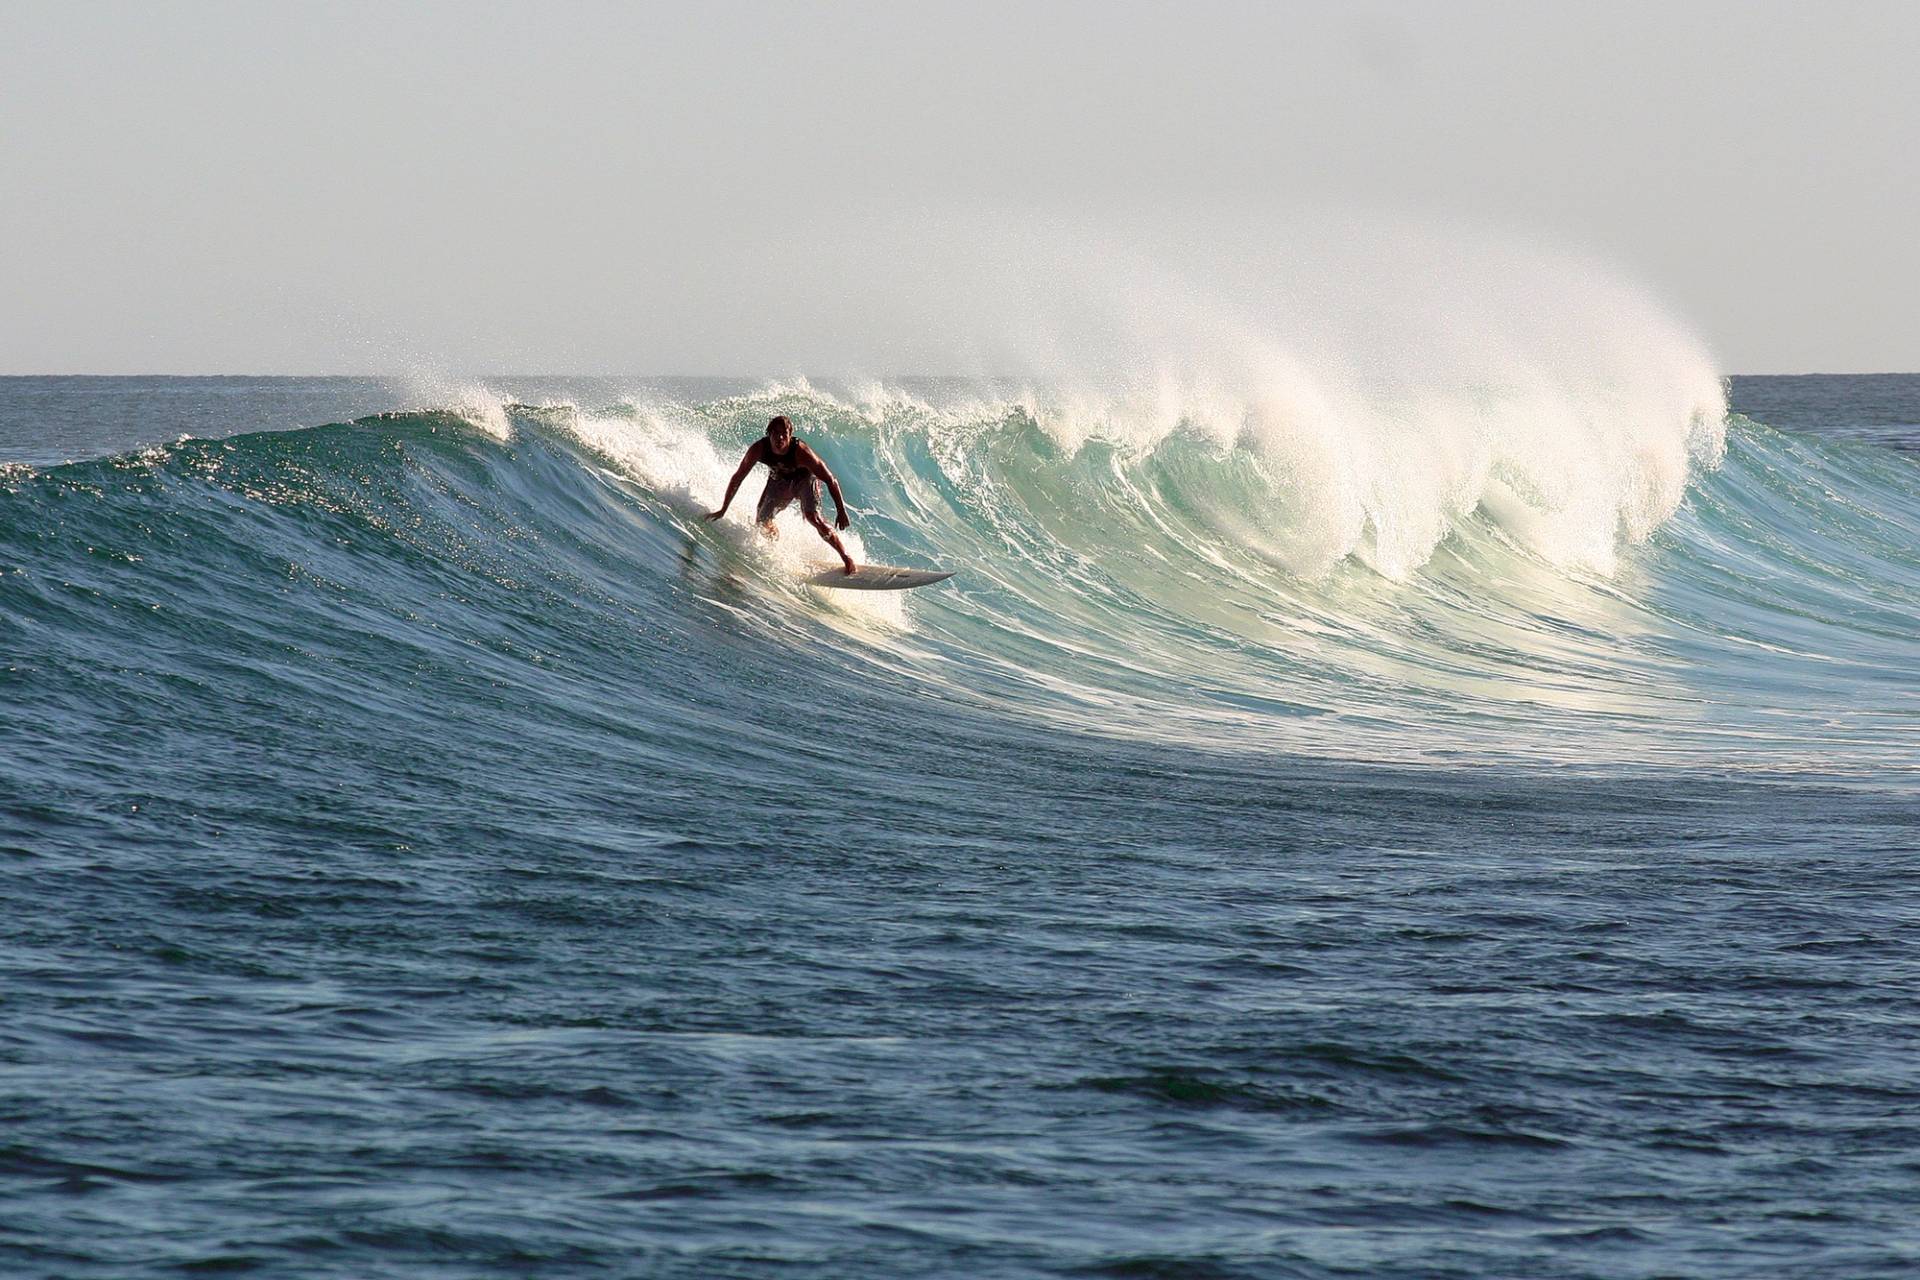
x=797, y=472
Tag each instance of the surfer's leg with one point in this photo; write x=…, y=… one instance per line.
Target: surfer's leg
x=809, y=499
x=825, y=530
x=773, y=499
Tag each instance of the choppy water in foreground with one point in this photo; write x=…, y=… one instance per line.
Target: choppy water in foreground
x=430, y=850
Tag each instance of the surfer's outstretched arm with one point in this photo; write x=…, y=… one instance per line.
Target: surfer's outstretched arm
x=740, y=473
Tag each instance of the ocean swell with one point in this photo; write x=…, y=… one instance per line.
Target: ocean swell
x=1186, y=585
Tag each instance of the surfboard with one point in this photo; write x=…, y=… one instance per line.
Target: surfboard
x=876, y=577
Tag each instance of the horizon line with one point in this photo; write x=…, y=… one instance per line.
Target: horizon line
x=746, y=377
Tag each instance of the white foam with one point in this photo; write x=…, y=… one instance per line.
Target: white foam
x=1538, y=392
x=472, y=401
x=1393, y=379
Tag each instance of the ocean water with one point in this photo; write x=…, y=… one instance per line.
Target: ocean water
x=1479, y=841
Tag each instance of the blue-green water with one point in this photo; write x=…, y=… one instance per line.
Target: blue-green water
x=429, y=849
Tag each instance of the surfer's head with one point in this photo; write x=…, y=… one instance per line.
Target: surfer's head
x=780, y=433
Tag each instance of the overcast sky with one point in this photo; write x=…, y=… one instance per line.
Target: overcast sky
x=266, y=187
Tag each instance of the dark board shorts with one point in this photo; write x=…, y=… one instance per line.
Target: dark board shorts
x=781, y=490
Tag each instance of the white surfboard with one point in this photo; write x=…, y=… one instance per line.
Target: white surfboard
x=876, y=577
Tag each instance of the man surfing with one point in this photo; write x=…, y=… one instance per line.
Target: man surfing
x=797, y=472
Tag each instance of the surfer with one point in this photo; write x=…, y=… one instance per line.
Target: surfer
x=797, y=472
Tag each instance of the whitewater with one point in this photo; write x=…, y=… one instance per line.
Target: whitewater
x=1449, y=815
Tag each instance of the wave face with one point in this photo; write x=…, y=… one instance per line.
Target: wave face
x=1659, y=585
